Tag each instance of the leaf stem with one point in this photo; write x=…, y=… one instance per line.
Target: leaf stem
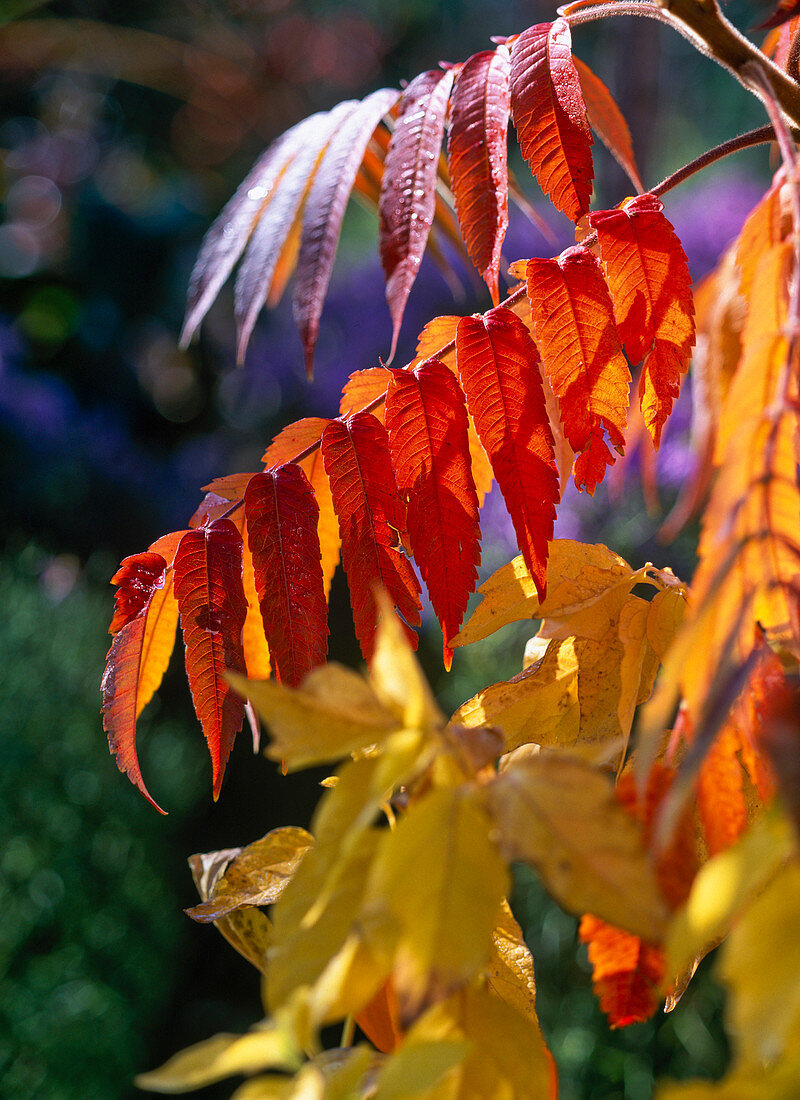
x=761, y=136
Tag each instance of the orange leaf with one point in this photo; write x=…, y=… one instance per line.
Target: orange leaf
x=549, y=114
x=371, y=520
x=648, y=276
x=380, y=1020
x=720, y=792
x=499, y=370
x=140, y=577
x=626, y=972
x=362, y=388
x=477, y=152
x=254, y=644
x=208, y=585
x=576, y=336
x=408, y=192
x=427, y=423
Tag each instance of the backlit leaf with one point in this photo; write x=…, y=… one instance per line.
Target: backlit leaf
x=596, y=865
x=648, y=276
x=264, y=249
x=442, y=846
x=477, y=151
x=427, y=423
x=626, y=972
x=371, y=519
x=221, y=1057
x=550, y=117
x=141, y=577
x=324, y=211
x=581, y=352
x=499, y=371
x=407, y=201
x=282, y=517
x=208, y=587
x=334, y=713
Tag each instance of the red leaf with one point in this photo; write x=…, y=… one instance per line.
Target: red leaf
x=607, y=121
x=371, y=518
x=427, y=423
x=293, y=440
x=550, y=117
x=648, y=276
x=141, y=577
x=325, y=209
x=576, y=335
x=626, y=972
x=282, y=516
x=227, y=237
x=408, y=193
x=269, y=235
x=477, y=154
x=499, y=370
x=208, y=585
x=138, y=576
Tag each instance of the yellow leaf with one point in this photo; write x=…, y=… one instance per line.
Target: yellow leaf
x=256, y=650
x=258, y=875
x=724, y=887
x=248, y=930
x=510, y=970
x=507, y=1059
x=578, y=575
x=223, y=1056
x=439, y=878
x=417, y=1067
x=332, y=1075
x=334, y=713
x=761, y=968
x=396, y=677
x=664, y=619
x=560, y=815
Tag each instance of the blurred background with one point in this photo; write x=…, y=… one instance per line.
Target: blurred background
x=123, y=130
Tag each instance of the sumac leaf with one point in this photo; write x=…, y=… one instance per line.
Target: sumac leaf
x=477, y=156
x=141, y=576
x=499, y=370
x=208, y=585
x=648, y=275
x=269, y=235
x=282, y=517
x=550, y=117
x=324, y=211
x=626, y=972
x=408, y=193
x=427, y=423
x=371, y=521
x=577, y=338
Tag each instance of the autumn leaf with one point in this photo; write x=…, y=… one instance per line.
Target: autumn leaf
x=477, y=157
x=427, y=423
x=208, y=587
x=531, y=802
x=498, y=368
x=257, y=874
x=282, y=516
x=550, y=117
x=577, y=339
x=407, y=201
x=223, y=1056
x=648, y=276
x=324, y=211
x=371, y=517
x=626, y=972
x=464, y=881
